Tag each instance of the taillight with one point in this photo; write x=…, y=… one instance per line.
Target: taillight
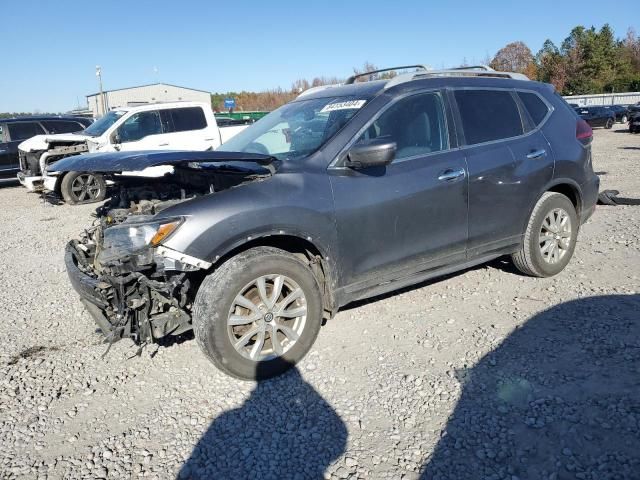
x=584, y=133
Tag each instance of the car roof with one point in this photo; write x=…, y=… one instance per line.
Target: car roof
x=377, y=87
x=37, y=118
x=154, y=106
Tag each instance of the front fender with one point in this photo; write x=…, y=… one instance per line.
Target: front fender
x=292, y=204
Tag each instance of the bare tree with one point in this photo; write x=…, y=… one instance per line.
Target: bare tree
x=631, y=45
x=515, y=57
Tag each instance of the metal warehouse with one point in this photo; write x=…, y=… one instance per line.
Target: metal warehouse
x=153, y=93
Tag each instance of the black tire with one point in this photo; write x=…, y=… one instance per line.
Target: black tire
x=216, y=297
x=95, y=191
x=609, y=124
x=529, y=259
x=624, y=119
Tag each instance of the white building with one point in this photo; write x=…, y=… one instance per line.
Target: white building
x=623, y=98
x=153, y=93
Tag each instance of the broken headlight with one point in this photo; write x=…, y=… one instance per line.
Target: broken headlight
x=134, y=239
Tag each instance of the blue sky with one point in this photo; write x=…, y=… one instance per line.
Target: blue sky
x=51, y=48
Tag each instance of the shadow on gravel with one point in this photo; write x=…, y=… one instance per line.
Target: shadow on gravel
x=285, y=429
x=558, y=399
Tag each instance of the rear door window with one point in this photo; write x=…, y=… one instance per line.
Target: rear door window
x=24, y=130
x=62, y=126
x=416, y=124
x=183, y=119
x=536, y=108
x=488, y=115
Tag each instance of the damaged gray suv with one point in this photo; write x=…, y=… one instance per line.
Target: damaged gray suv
x=347, y=192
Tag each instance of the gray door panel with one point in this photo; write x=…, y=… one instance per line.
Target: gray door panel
x=505, y=180
x=400, y=219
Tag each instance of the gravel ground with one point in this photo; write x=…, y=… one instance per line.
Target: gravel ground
x=485, y=374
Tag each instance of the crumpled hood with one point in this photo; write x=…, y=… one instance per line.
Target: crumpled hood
x=116, y=162
x=41, y=142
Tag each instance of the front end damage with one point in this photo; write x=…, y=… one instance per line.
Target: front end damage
x=37, y=153
x=131, y=284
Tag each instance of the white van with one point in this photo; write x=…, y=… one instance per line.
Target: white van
x=165, y=126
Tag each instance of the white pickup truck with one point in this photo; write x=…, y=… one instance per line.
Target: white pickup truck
x=164, y=126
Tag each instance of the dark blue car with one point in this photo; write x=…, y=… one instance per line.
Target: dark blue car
x=597, y=116
x=348, y=192
x=14, y=131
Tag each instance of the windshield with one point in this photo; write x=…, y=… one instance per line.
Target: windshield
x=296, y=129
x=100, y=126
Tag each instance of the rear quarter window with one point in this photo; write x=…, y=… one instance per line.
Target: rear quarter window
x=488, y=115
x=536, y=108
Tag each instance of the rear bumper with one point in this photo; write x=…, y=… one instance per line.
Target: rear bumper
x=590, y=190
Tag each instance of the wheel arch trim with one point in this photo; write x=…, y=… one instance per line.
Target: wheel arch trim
x=291, y=241
x=558, y=185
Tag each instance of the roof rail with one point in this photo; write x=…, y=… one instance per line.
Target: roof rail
x=352, y=78
x=318, y=89
x=474, y=71
x=486, y=68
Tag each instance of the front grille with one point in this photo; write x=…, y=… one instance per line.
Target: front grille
x=30, y=163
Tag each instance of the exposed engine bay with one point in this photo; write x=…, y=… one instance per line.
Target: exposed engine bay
x=131, y=284
x=34, y=159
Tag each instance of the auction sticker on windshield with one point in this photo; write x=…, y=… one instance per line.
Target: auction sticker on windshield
x=348, y=105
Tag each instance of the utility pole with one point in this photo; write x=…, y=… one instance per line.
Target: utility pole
x=99, y=75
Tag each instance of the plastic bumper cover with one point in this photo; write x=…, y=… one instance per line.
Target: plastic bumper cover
x=89, y=289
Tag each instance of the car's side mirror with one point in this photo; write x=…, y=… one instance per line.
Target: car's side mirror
x=115, y=138
x=371, y=153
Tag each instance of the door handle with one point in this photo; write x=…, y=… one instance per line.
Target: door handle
x=451, y=174
x=537, y=153
x=163, y=144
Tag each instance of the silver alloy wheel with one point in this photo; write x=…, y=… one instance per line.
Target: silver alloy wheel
x=555, y=236
x=85, y=187
x=623, y=119
x=267, y=317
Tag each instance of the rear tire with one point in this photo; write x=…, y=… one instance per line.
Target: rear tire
x=80, y=187
x=550, y=237
x=624, y=119
x=238, y=307
x=609, y=124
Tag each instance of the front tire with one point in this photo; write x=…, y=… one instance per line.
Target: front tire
x=624, y=119
x=609, y=124
x=258, y=314
x=81, y=187
x=550, y=238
